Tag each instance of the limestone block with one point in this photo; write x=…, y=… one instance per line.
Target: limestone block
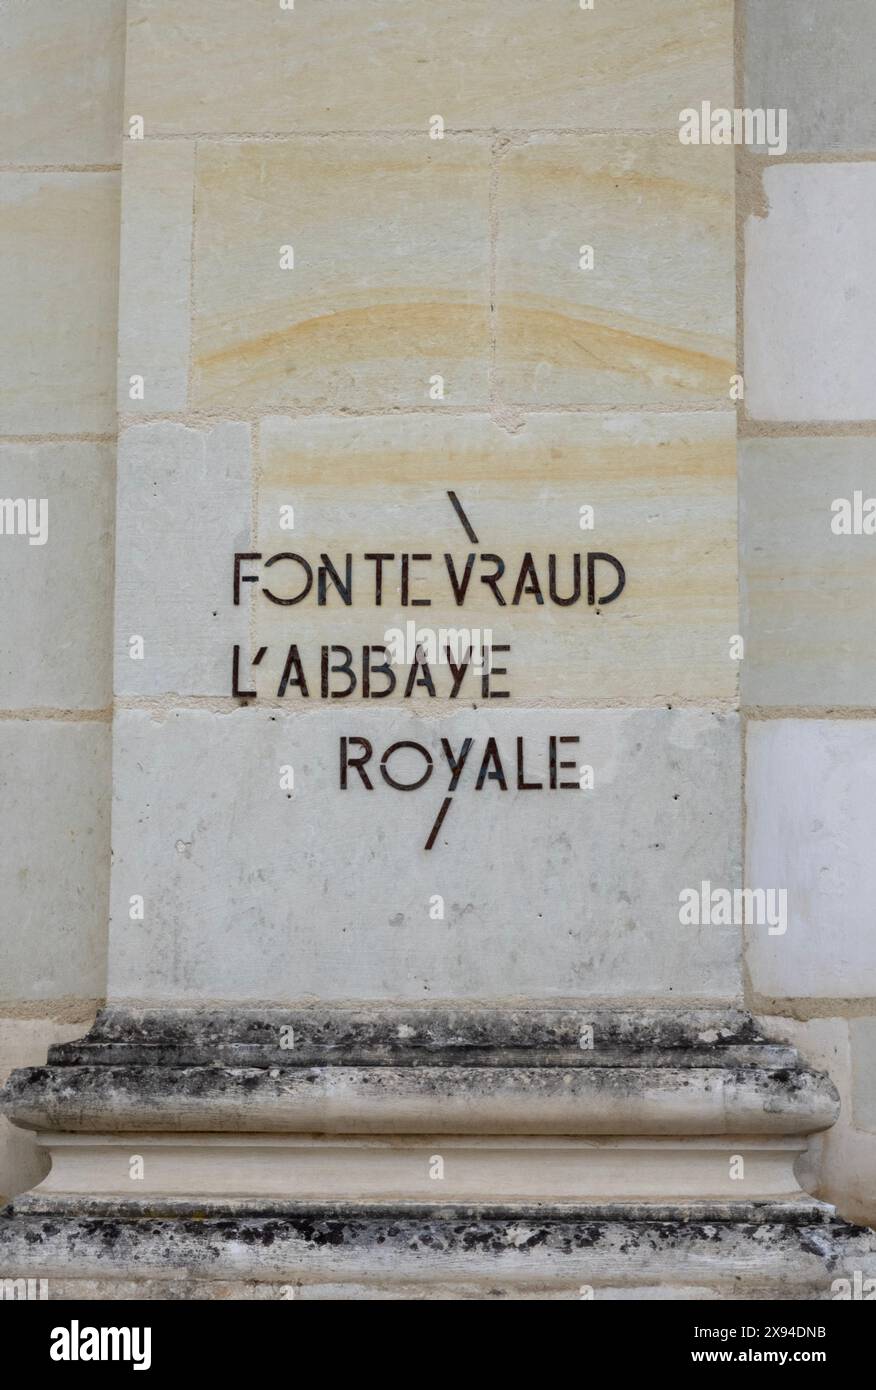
x=58, y=286
x=55, y=633
x=62, y=70
x=390, y=281
x=662, y=490
x=183, y=509
x=24, y=1042
x=650, y=317
x=155, y=276
x=816, y=61
x=841, y=1159
x=377, y=1169
x=810, y=294
x=862, y=1036
x=395, y=63
x=54, y=793
x=806, y=586
x=252, y=890
x=810, y=806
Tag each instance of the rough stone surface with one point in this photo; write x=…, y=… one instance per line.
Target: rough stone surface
x=815, y=60
x=155, y=276
x=54, y=793
x=663, y=492
x=183, y=509
x=456, y=1253
x=424, y=1036
x=653, y=320
x=810, y=794
x=423, y=1100
x=391, y=65
x=55, y=637
x=241, y=901
x=62, y=68
x=462, y=1071
x=810, y=294
x=806, y=591
x=390, y=284
x=58, y=285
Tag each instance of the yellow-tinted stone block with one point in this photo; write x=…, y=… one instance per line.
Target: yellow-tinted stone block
x=615, y=272
x=340, y=273
x=663, y=494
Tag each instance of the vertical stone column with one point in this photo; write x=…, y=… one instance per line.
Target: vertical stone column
x=62, y=75
x=808, y=531
x=411, y=983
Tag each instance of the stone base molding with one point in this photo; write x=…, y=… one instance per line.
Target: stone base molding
x=426, y=1153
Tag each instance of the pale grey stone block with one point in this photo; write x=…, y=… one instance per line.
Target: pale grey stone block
x=155, y=276
x=254, y=892
x=807, y=589
x=811, y=801
x=810, y=295
x=54, y=827
x=59, y=266
x=56, y=625
x=62, y=74
x=183, y=510
x=862, y=1034
x=816, y=60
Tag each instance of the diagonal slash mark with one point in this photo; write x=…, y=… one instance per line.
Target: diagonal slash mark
x=470, y=532
x=457, y=507
x=433, y=833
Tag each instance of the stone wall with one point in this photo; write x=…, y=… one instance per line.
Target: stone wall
x=808, y=680
x=60, y=187
x=353, y=274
